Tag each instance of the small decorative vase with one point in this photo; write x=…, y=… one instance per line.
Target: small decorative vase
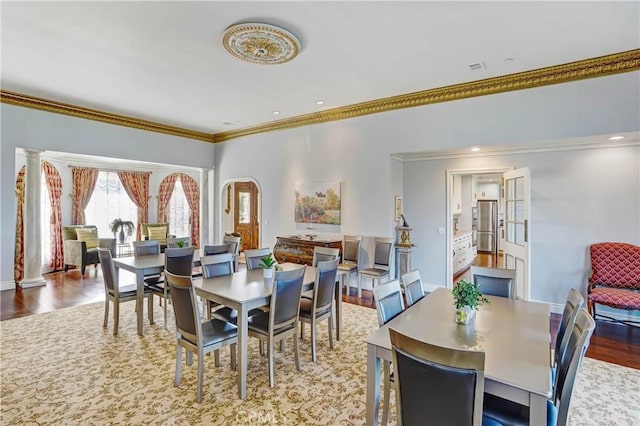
x=121, y=236
x=465, y=315
x=268, y=272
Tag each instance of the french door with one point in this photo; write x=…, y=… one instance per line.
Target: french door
x=517, y=194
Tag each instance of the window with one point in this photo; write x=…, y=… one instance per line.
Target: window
x=179, y=212
x=45, y=224
x=108, y=202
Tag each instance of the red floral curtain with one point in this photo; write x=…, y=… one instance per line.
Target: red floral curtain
x=192, y=193
x=137, y=186
x=164, y=195
x=18, y=263
x=84, y=181
x=54, y=185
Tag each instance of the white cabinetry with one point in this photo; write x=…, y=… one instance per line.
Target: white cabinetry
x=456, y=196
x=464, y=252
x=488, y=191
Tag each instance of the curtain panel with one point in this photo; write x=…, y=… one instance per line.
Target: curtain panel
x=84, y=180
x=18, y=261
x=164, y=195
x=136, y=184
x=54, y=185
x=192, y=193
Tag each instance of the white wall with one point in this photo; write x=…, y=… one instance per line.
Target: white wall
x=33, y=129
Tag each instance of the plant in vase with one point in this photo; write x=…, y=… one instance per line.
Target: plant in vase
x=119, y=226
x=467, y=299
x=268, y=263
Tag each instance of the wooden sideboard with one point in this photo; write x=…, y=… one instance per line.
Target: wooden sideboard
x=299, y=248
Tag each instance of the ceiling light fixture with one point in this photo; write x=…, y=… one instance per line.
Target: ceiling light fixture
x=276, y=112
x=616, y=138
x=475, y=149
x=261, y=44
x=320, y=102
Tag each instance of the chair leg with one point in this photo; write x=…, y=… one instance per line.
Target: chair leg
x=82, y=269
x=176, y=380
x=150, y=308
x=233, y=351
x=272, y=378
x=216, y=355
x=296, y=350
x=313, y=339
x=106, y=311
x=301, y=330
x=282, y=345
x=165, y=306
x=386, y=371
x=116, y=316
x=359, y=286
x=330, y=321
x=200, y=370
x=189, y=358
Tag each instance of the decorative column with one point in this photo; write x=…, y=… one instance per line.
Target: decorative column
x=404, y=248
x=205, y=209
x=32, y=231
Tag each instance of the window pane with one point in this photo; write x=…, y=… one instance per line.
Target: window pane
x=519, y=188
x=179, y=212
x=244, y=208
x=108, y=202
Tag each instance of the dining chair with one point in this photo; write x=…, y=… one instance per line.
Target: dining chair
x=510, y=413
x=194, y=335
x=281, y=321
x=235, y=243
x=572, y=306
x=320, y=306
x=178, y=261
x=178, y=242
x=253, y=257
x=381, y=263
x=321, y=254
x=350, y=255
x=436, y=384
x=494, y=281
x=217, y=249
x=115, y=293
x=147, y=248
x=413, y=290
x=389, y=304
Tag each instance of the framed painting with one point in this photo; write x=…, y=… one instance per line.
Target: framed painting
x=317, y=203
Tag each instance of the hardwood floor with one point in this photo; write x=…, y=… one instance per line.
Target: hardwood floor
x=613, y=343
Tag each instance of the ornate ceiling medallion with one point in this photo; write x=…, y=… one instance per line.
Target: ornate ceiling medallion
x=262, y=44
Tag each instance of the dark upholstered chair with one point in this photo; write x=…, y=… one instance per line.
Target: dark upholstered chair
x=194, y=335
x=413, y=290
x=253, y=257
x=615, y=278
x=321, y=254
x=381, y=263
x=350, y=255
x=494, y=281
x=147, y=248
x=115, y=293
x=320, y=306
x=78, y=252
x=435, y=384
x=217, y=249
x=281, y=321
x=510, y=413
x=572, y=306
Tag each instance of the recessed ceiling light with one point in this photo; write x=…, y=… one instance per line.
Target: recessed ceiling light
x=616, y=138
x=509, y=59
x=276, y=112
x=475, y=149
x=319, y=102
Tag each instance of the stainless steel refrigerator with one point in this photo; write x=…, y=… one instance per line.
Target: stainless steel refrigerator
x=487, y=226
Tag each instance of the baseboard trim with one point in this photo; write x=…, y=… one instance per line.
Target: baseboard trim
x=33, y=282
x=7, y=285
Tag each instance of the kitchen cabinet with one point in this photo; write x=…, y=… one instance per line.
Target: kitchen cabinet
x=464, y=252
x=488, y=191
x=456, y=195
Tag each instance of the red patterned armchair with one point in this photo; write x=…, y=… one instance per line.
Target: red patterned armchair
x=615, y=277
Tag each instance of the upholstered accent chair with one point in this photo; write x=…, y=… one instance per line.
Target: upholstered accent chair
x=154, y=231
x=81, y=244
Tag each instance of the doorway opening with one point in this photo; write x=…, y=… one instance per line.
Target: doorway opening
x=240, y=212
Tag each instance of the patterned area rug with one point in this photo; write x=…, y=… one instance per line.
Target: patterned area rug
x=62, y=367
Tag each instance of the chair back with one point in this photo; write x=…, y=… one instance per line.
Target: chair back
x=217, y=265
x=218, y=249
x=176, y=242
x=351, y=252
x=146, y=247
x=325, y=284
x=574, y=302
x=253, y=257
x=442, y=385
x=615, y=265
x=579, y=339
x=413, y=290
x=285, y=298
x=382, y=253
x=235, y=243
x=322, y=254
x=388, y=300
x=179, y=261
x=494, y=281
x=185, y=307
x=109, y=275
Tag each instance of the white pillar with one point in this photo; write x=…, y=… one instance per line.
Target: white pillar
x=205, y=209
x=32, y=231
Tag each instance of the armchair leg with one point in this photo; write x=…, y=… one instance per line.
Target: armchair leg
x=82, y=269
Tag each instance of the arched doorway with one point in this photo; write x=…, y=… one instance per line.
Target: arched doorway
x=240, y=211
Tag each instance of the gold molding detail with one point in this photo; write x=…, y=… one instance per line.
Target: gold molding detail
x=26, y=101
x=579, y=70
x=589, y=68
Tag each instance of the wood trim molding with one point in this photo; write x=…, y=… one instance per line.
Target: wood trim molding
x=589, y=68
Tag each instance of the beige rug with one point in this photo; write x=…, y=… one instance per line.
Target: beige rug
x=62, y=367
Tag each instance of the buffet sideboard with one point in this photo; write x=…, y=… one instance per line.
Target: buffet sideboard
x=299, y=248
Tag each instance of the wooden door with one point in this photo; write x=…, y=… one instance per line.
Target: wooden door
x=517, y=196
x=246, y=214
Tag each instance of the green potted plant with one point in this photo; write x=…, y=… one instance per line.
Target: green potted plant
x=119, y=226
x=268, y=263
x=467, y=299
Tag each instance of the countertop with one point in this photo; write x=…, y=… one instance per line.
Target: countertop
x=461, y=233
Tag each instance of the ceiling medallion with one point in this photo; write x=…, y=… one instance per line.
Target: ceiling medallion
x=262, y=44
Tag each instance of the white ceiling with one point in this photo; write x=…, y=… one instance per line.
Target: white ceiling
x=164, y=61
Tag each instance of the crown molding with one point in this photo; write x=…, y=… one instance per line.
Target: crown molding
x=27, y=101
x=589, y=68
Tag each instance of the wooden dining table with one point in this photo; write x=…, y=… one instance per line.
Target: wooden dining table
x=246, y=290
x=514, y=335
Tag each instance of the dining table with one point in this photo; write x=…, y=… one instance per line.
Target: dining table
x=514, y=334
x=248, y=289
